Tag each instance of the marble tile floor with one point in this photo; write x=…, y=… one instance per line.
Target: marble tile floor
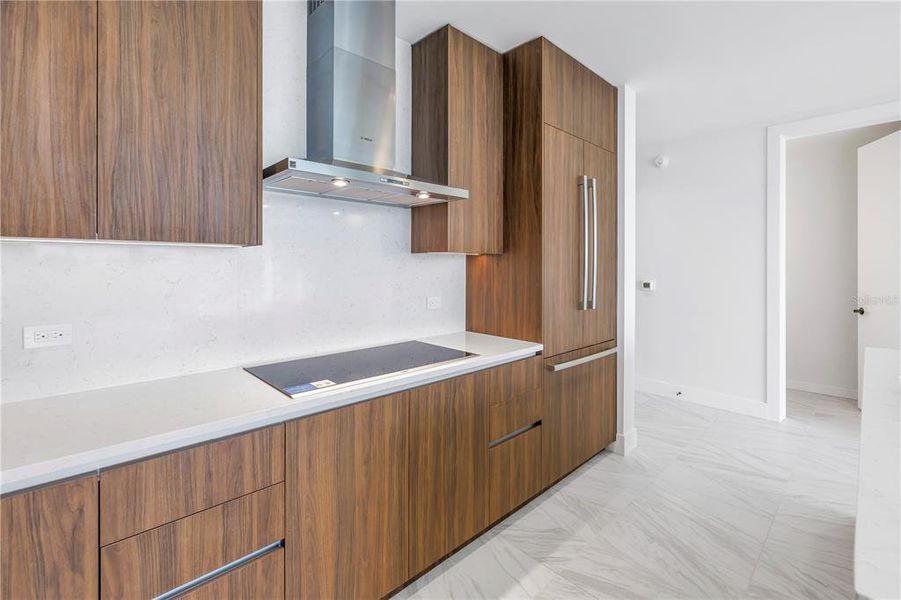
x=711, y=505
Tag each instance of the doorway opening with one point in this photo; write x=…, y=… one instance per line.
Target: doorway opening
x=825, y=302
x=778, y=138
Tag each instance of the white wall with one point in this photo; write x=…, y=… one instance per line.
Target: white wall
x=821, y=259
x=329, y=274
x=701, y=236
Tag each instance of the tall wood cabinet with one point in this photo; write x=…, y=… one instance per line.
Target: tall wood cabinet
x=457, y=140
x=560, y=211
x=132, y=120
x=556, y=281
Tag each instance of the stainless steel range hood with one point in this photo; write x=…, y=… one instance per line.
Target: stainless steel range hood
x=350, y=112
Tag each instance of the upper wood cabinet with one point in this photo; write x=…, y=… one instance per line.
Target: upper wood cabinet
x=556, y=281
x=49, y=541
x=576, y=100
x=179, y=110
x=457, y=131
x=346, y=501
x=48, y=68
x=132, y=120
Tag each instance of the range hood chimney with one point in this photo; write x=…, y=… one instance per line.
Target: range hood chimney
x=351, y=101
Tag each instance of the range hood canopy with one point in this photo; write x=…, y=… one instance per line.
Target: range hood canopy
x=351, y=112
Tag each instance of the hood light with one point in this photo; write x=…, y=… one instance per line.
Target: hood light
x=339, y=182
x=423, y=195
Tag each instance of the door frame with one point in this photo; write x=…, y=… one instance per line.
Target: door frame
x=777, y=136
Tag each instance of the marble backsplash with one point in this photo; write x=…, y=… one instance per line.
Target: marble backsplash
x=329, y=275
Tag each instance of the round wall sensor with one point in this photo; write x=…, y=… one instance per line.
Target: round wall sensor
x=661, y=161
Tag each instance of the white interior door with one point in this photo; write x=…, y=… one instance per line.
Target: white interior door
x=878, y=233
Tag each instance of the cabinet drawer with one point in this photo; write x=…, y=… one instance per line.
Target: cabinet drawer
x=261, y=579
x=512, y=379
x=514, y=468
x=506, y=415
x=579, y=417
x=146, y=494
x=162, y=559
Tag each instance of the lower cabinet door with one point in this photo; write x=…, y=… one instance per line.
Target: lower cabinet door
x=48, y=541
x=448, y=467
x=514, y=472
x=168, y=557
x=346, y=478
x=260, y=579
x=579, y=418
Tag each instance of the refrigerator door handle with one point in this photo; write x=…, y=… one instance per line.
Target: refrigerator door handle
x=583, y=186
x=594, y=244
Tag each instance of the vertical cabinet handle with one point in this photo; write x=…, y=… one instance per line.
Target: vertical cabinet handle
x=594, y=244
x=583, y=187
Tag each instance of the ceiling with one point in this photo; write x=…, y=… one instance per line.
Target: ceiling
x=701, y=66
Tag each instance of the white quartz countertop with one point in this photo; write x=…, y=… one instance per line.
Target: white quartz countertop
x=877, y=534
x=53, y=438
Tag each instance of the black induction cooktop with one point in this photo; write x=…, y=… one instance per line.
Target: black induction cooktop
x=295, y=377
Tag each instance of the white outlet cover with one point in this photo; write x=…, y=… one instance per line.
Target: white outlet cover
x=44, y=336
x=433, y=302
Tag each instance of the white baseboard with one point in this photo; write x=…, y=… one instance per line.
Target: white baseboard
x=736, y=404
x=625, y=442
x=826, y=390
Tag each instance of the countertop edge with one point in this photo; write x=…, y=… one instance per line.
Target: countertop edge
x=85, y=463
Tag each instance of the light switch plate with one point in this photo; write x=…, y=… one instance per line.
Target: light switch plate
x=44, y=336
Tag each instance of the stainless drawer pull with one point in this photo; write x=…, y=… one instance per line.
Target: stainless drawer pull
x=581, y=361
x=513, y=434
x=240, y=562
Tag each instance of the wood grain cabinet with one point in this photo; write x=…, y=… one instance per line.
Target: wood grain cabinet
x=579, y=409
x=457, y=135
x=179, y=154
x=176, y=554
x=515, y=474
x=515, y=422
x=579, y=259
x=49, y=541
x=556, y=281
x=132, y=120
x=347, y=495
x=448, y=467
x=48, y=110
x=142, y=495
x=575, y=99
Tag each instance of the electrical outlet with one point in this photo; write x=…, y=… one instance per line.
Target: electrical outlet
x=433, y=302
x=43, y=336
